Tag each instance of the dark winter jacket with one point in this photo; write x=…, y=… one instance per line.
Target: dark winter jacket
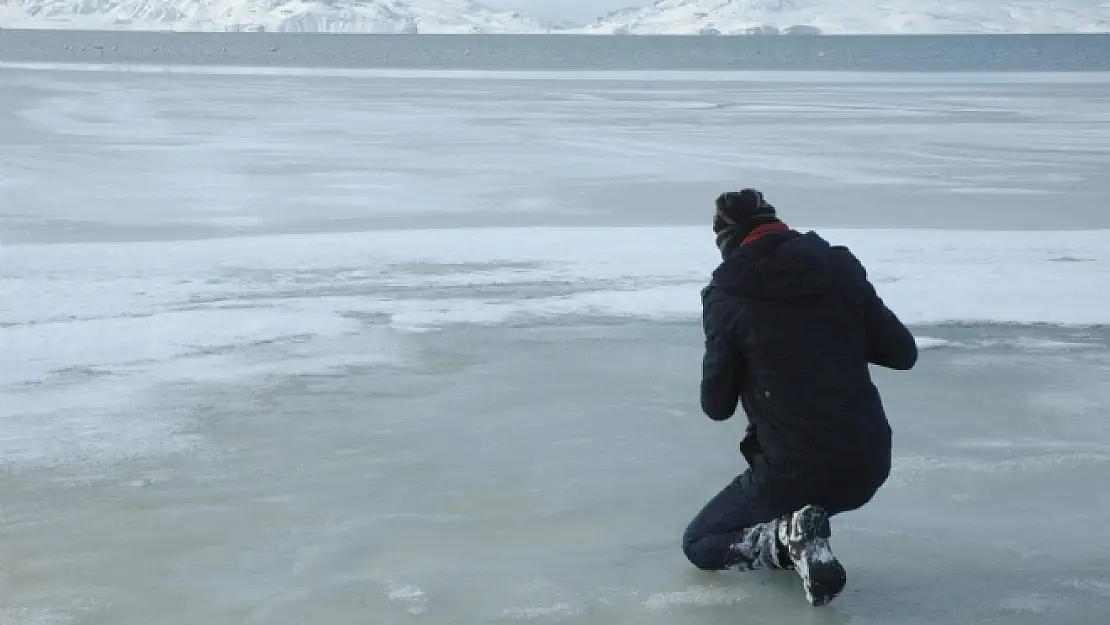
x=791, y=323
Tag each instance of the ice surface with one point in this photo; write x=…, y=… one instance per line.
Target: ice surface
x=107, y=320
x=841, y=17
x=284, y=349
x=92, y=332
x=153, y=301
x=207, y=293
x=545, y=475
x=144, y=160
x=613, y=77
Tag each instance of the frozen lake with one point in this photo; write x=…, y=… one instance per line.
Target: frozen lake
x=289, y=347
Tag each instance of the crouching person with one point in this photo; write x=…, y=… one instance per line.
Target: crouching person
x=791, y=324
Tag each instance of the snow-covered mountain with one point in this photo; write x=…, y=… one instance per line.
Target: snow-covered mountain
x=331, y=16
x=688, y=17
x=679, y=17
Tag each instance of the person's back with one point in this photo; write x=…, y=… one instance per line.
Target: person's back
x=791, y=325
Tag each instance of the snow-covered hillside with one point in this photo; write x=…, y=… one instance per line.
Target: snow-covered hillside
x=333, y=16
x=686, y=17
x=858, y=17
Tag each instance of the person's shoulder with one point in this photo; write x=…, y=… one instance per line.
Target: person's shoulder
x=717, y=300
x=712, y=292
x=847, y=261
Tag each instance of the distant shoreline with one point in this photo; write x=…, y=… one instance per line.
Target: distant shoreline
x=561, y=51
x=562, y=33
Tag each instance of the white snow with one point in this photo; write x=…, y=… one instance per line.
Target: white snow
x=101, y=311
x=334, y=16
x=728, y=17
x=101, y=344
x=701, y=596
x=414, y=600
x=90, y=330
x=169, y=298
x=925, y=342
x=685, y=17
x=559, y=610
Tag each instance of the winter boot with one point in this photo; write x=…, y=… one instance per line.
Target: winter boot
x=758, y=549
x=805, y=535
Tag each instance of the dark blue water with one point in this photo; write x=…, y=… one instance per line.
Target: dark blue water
x=940, y=53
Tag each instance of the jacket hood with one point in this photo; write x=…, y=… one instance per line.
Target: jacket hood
x=786, y=265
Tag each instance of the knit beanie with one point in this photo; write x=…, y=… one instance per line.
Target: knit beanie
x=738, y=213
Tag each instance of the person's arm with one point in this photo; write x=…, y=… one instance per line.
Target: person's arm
x=720, y=376
x=890, y=344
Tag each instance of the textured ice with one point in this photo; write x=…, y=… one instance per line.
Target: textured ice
x=98, y=307
x=910, y=469
x=143, y=301
x=561, y=609
x=282, y=428
x=607, y=76
x=412, y=598
x=88, y=327
x=701, y=596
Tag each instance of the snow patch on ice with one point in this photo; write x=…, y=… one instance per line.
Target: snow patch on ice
x=925, y=343
x=1069, y=402
x=1033, y=604
x=908, y=470
x=60, y=614
x=93, y=335
x=1100, y=587
x=60, y=348
x=97, y=308
x=1028, y=445
x=701, y=596
x=107, y=422
x=1034, y=344
x=1027, y=343
x=412, y=598
x=999, y=191
x=561, y=609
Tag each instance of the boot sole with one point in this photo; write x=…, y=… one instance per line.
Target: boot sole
x=823, y=577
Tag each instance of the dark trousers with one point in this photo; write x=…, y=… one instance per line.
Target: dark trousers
x=736, y=529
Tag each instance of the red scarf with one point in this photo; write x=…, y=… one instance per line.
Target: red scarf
x=765, y=229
